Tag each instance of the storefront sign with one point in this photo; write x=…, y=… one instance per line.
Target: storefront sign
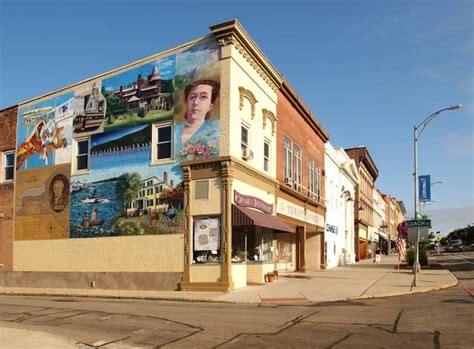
x=252, y=201
x=331, y=228
x=291, y=210
x=206, y=234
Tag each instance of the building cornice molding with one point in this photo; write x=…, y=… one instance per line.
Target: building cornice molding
x=247, y=94
x=297, y=103
x=232, y=33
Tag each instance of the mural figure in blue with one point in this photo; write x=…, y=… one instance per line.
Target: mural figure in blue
x=198, y=137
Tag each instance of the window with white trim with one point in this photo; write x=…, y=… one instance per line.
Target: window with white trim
x=288, y=153
x=244, y=137
x=266, y=156
x=8, y=166
x=311, y=191
x=317, y=181
x=162, y=138
x=298, y=167
x=81, y=156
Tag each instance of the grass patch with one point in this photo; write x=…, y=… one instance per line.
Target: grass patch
x=132, y=119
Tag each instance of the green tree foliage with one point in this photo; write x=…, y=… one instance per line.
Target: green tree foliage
x=114, y=106
x=167, y=86
x=127, y=188
x=465, y=234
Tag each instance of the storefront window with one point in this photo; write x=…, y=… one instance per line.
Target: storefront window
x=239, y=243
x=260, y=245
x=206, y=240
x=267, y=246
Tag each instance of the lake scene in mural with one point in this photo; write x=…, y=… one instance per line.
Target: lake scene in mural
x=124, y=195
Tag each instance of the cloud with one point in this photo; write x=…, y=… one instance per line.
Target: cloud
x=34, y=191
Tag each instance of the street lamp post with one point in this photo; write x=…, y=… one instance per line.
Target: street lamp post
x=416, y=136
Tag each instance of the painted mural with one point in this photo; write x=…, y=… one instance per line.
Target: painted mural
x=197, y=128
x=141, y=95
x=42, y=203
x=45, y=133
x=89, y=110
x=123, y=191
x=123, y=194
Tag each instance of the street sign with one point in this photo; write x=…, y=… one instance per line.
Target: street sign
x=412, y=234
x=420, y=223
x=424, y=188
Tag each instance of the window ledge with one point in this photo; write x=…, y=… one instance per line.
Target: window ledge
x=162, y=162
x=80, y=173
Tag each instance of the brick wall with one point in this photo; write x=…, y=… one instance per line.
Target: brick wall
x=293, y=125
x=8, y=118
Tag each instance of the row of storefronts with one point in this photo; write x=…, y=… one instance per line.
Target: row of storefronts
x=228, y=179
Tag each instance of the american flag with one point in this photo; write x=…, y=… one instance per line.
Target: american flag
x=401, y=249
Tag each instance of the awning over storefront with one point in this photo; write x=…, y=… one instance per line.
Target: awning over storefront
x=243, y=216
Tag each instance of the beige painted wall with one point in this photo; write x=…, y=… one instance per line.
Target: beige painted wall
x=239, y=275
x=212, y=205
x=205, y=272
x=244, y=75
x=159, y=253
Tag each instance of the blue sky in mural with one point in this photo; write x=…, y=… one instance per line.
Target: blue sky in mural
x=369, y=70
x=166, y=67
x=197, y=57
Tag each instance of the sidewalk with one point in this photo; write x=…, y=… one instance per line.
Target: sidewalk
x=364, y=279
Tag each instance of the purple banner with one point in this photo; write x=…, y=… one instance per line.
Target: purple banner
x=252, y=201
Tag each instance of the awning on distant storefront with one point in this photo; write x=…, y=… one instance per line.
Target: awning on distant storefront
x=244, y=217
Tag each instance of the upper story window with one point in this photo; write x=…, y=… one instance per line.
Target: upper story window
x=317, y=181
x=266, y=156
x=8, y=162
x=244, y=137
x=311, y=178
x=298, y=167
x=288, y=159
x=162, y=139
x=81, y=156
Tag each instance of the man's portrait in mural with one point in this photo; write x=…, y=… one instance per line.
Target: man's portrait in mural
x=198, y=136
x=59, y=193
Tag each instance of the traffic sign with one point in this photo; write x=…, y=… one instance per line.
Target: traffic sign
x=420, y=223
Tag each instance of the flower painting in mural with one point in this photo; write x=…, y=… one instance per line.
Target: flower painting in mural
x=45, y=132
x=198, y=127
x=141, y=95
x=123, y=194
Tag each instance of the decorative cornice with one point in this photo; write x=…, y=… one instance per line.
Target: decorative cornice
x=297, y=103
x=268, y=114
x=244, y=93
x=232, y=33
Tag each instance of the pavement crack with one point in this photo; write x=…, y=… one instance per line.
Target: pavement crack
x=107, y=343
x=395, y=324
x=436, y=343
x=339, y=341
x=288, y=324
x=368, y=288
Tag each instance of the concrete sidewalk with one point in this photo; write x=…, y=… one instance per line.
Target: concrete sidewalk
x=364, y=279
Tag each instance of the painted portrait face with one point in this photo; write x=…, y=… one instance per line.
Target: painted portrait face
x=58, y=187
x=198, y=103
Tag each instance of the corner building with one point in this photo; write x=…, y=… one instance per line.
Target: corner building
x=169, y=173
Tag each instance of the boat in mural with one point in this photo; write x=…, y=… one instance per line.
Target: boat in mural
x=95, y=200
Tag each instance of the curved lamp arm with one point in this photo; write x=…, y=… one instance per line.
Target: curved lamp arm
x=425, y=122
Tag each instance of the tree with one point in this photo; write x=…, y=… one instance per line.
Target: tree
x=465, y=234
x=127, y=188
x=174, y=197
x=114, y=106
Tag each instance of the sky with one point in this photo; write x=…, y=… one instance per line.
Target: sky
x=369, y=70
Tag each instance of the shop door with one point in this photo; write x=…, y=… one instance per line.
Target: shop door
x=300, y=248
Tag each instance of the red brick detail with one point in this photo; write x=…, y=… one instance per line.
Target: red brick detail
x=8, y=122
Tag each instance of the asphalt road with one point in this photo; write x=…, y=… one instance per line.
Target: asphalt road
x=441, y=319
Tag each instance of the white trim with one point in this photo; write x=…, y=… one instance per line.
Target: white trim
x=74, y=170
x=154, y=142
x=3, y=166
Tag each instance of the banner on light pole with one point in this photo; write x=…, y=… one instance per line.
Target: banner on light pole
x=424, y=191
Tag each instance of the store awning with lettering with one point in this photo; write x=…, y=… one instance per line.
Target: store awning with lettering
x=243, y=216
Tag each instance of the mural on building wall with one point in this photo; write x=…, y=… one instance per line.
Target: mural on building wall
x=45, y=132
x=141, y=95
x=197, y=128
x=89, y=110
x=42, y=203
x=123, y=194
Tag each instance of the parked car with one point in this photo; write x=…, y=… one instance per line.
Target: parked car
x=454, y=248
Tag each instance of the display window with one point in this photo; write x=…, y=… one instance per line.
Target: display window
x=206, y=240
x=253, y=245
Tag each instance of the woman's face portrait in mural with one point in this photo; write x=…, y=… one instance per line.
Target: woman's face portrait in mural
x=59, y=193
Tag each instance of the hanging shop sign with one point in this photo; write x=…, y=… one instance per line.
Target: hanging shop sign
x=253, y=202
x=206, y=234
